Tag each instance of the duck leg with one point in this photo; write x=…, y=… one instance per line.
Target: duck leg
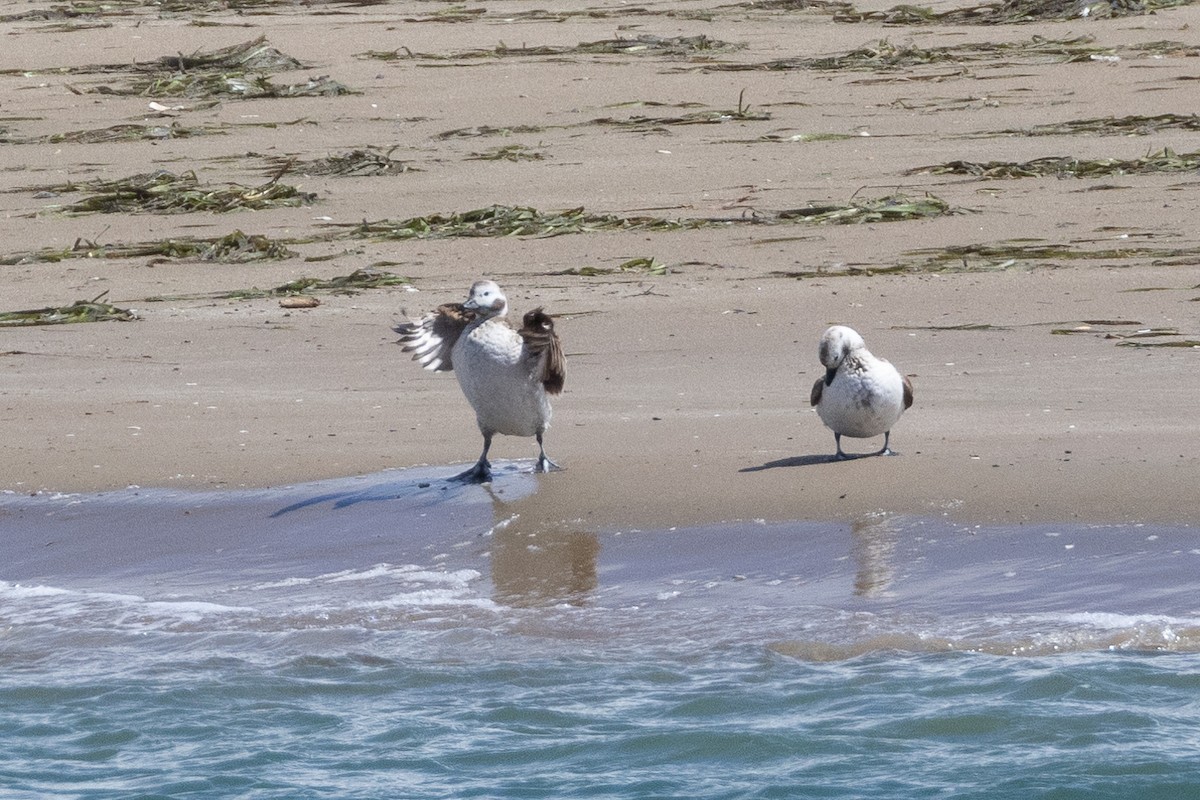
x=482, y=471
x=544, y=464
x=841, y=455
x=886, y=451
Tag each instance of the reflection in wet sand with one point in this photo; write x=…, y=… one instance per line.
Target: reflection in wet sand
x=873, y=548
x=538, y=559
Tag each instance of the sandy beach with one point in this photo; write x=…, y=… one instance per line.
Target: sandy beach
x=1034, y=314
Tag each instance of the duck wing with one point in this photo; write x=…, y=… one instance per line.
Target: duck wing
x=431, y=338
x=544, y=349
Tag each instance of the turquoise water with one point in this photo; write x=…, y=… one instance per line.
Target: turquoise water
x=393, y=637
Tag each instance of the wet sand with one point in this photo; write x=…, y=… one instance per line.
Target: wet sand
x=686, y=398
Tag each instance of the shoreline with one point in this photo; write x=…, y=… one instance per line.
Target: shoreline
x=651, y=431
x=1036, y=314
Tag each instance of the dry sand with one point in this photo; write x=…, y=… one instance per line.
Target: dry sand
x=687, y=392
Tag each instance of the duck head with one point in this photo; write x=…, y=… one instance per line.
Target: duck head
x=836, y=344
x=487, y=299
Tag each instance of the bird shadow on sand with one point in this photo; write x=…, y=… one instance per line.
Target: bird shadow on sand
x=807, y=461
x=423, y=491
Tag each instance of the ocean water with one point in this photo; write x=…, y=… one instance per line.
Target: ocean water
x=396, y=636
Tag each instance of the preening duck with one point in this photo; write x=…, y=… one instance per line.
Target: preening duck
x=506, y=374
x=860, y=395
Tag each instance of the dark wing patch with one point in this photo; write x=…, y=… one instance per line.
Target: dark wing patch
x=818, y=387
x=908, y=392
x=543, y=345
x=431, y=338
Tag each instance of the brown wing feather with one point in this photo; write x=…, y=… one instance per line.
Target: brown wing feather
x=908, y=392
x=818, y=387
x=537, y=329
x=431, y=338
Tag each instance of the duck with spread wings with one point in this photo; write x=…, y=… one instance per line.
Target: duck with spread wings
x=506, y=374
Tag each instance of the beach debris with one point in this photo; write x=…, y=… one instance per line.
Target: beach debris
x=298, y=293
x=128, y=132
x=241, y=248
x=794, y=137
x=885, y=55
x=500, y=220
x=299, y=301
x=1132, y=125
x=643, y=265
x=1134, y=335
x=640, y=122
x=236, y=247
x=496, y=220
x=254, y=55
x=1190, y=344
x=134, y=132
x=1165, y=160
x=1009, y=12
x=238, y=71
x=489, y=130
x=1023, y=254
x=511, y=152
x=892, y=208
x=965, y=326
x=163, y=192
x=80, y=311
x=644, y=44
x=226, y=85
x=358, y=163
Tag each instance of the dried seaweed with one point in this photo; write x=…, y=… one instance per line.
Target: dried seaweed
x=1133, y=125
x=1191, y=344
x=131, y=133
x=357, y=281
x=163, y=192
x=70, y=11
x=1165, y=160
x=980, y=257
x=637, y=123
x=252, y=56
x=644, y=265
x=79, y=311
x=511, y=152
x=1003, y=256
x=488, y=130
x=234, y=248
x=228, y=85
x=525, y=221
x=241, y=248
x=707, y=117
x=491, y=221
x=502, y=221
x=795, y=137
x=826, y=6
x=1008, y=12
x=892, y=208
x=645, y=44
x=884, y=55
x=358, y=163
x=255, y=55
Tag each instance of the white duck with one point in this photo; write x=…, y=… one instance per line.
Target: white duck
x=506, y=374
x=860, y=395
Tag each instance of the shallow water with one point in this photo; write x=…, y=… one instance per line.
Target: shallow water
x=398, y=636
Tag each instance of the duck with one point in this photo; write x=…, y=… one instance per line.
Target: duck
x=860, y=395
x=506, y=374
